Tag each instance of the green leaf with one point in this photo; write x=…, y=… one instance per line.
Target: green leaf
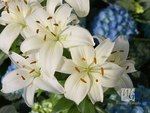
x=74, y=109
x=3, y=56
x=127, y=4
x=62, y=105
x=146, y=15
x=100, y=110
x=8, y=109
x=86, y=106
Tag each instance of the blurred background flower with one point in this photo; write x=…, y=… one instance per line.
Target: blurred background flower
x=112, y=22
x=140, y=105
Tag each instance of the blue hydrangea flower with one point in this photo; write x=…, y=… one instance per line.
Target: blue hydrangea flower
x=141, y=104
x=112, y=22
x=11, y=68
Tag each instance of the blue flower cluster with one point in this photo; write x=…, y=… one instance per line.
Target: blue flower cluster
x=141, y=104
x=11, y=68
x=112, y=22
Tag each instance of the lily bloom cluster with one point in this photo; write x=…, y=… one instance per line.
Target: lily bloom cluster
x=47, y=30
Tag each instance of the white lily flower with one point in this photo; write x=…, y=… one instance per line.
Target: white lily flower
x=1, y=4
x=81, y=7
x=89, y=72
x=30, y=77
x=119, y=56
x=53, y=34
x=14, y=17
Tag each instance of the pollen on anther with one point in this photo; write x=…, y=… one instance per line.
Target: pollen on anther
x=23, y=77
x=96, y=80
x=49, y=18
x=53, y=34
x=31, y=71
x=121, y=51
x=113, y=52
x=38, y=22
x=26, y=57
x=18, y=8
x=56, y=24
x=112, y=60
x=45, y=38
x=84, y=81
x=25, y=1
x=95, y=61
x=83, y=59
x=37, y=31
x=33, y=62
x=7, y=7
x=77, y=69
x=127, y=68
x=102, y=71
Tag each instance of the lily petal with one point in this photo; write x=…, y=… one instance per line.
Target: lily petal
x=129, y=66
x=111, y=71
x=103, y=51
x=76, y=36
x=19, y=60
x=51, y=6
x=50, y=56
x=121, y=44
x=77, y=87
x=68, y=67
x=96, y=92
x=16, y=80
x=31, y=44
x=62, y=14
x=29, y=95
x=49, y=84
x=8, y=36
x=124, y=82
x=81, y=7
x=104, y=81
x=82, y=55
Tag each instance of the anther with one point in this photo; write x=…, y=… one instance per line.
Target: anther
x=127, y=68
x=96, y=80
x=23, y=78
x=37, y=31
x=112, y=60
x=33, y=62
x=38, y=22
x=53, y=34
x=25, y=1
x=49, y=18
x=95, y=61
x=102, y=71
x=113, y=52
x=26, y=57
x=83, y=59
x=45, y=38
x=121, y=51
x=83, y=80
x=77, y=69
x=18, y=8
x=56, y=24
x=32, y=71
